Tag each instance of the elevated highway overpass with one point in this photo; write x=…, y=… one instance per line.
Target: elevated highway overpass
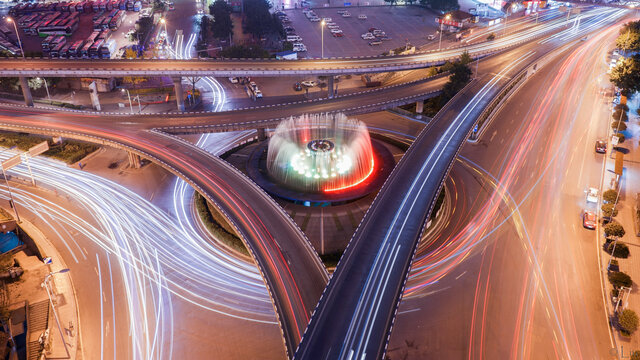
x=291, y=269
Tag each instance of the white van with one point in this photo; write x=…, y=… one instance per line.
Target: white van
x=294, y=38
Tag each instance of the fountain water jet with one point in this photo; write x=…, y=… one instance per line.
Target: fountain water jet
x=320, y=153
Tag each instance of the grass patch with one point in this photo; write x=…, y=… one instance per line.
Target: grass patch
x=331, y=260
x=217, y=225
x=69, y=151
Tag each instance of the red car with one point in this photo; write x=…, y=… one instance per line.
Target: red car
x=589, y=219
x=601, y=146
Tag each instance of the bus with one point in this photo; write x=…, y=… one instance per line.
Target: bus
x=74, y=49
x=64, y=52
x=104, y=35
x=105, y=23
x=65, y=30
x=55, y=51
x=117, y=20
x=27, y=19
x=94, y=50
x=46, y=43
x=83, y=53
x=108, y=49
x=137, y=6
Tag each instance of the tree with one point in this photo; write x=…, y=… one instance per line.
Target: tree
x=620, y=115
x=621, y=249
x=628, y=320
x=626, y=75
x=442, y=5
x=222, y=26
x=465, y=58
x=607, y=210
x=240, y=51
x=610, y=195
x=618, y=126
x=624, y=107
x=258, y=21
x=460, y=76
x=491, y=36
x=620, y=137
x=619, y=279
x=629, y=38
x=614, y=229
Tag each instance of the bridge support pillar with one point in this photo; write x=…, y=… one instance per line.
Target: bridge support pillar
x=262, y=135
x=134, y=160
x=26, y=92
x=330, y=88
x=419, y=108
x=177, y=85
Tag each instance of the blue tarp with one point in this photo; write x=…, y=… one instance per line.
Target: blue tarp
x=8, y=242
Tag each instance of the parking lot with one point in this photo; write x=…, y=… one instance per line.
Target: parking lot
x=401, y=24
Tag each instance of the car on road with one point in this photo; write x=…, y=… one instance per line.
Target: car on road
x=309, y=83
x=362, y=17
x=258, y=93
x=589, y=219
x=592, y=195
x=171, y=7
x=297, y=86
x=200, y=11
x=233, y=80
x=601, y=146
x=431, y=37
x=375, y=42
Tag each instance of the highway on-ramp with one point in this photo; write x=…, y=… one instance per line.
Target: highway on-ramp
x=365, y=289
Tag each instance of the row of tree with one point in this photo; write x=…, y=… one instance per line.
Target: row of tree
x=626, y=75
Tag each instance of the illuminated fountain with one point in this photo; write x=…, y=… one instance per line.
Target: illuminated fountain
x=320, y=153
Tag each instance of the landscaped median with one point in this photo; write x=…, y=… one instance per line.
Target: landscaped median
x=69, y=151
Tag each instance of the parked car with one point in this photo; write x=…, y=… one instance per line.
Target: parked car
x=233, y=80
x=592, y=195
x=601, y=146
x=431, y=37
x=326, y=19
x=337, y=34
x=334, y=26
x=314, y=19
x=362, y=17
x=297, y=86
x=367, y=36
x=346, y=15
x=589, y=219
x=335, y=31
x=309, y=83
x=375, y=42
x=258, y=93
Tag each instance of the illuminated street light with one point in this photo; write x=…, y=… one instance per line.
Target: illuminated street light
x=45, y=285
x=46, y=88
x=9, y=19
x=129, y=96
x=447, y=17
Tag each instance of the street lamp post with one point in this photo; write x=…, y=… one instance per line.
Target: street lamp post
x=46, y=88
x=506, y=17
x=447, y=17
x=322, y=37
x=45, y=285
x=139, y=106
x=129, y=96
x=9, y=19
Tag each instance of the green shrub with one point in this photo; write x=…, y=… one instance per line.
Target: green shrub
x=619, y=279
x=217, y=225
x=621, y=249
x=628, y=320
x=607, y=210
x=622, y=107
x=614, y=229
x=610, y=195
x=618, y=126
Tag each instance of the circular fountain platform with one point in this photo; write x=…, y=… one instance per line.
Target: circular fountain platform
x=383, y=163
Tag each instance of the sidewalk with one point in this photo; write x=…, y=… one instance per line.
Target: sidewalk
x=63, y=295
x=629, y=187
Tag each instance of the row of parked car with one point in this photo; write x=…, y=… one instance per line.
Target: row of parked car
x=375, y=35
